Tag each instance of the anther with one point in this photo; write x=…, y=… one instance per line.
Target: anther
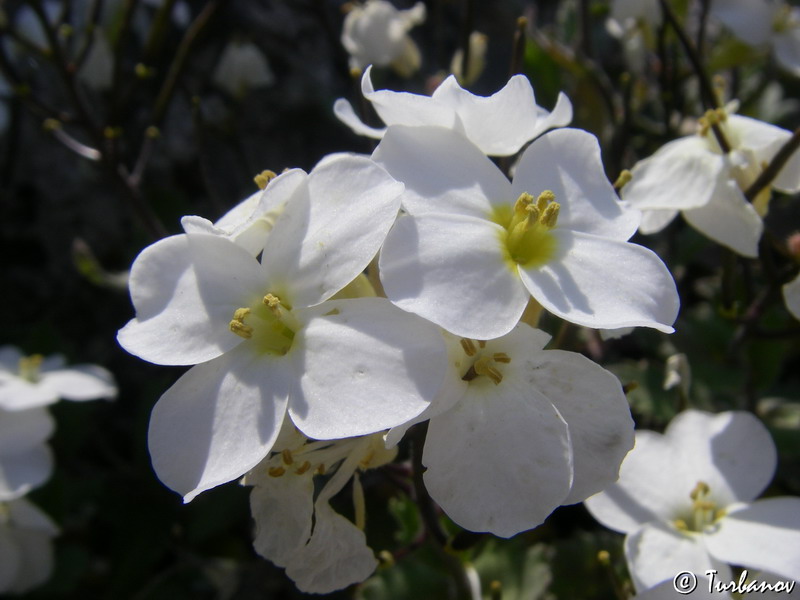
x=701, y=489
x=468, y=346
x=624, y=179
x=286, y=454
x=303, y=468
x=483, y=366
x=263, y=178
x=501, y=357
x=241, y=329
x=276, y=471
x=273, y=303
x=524, y=200
x=482, y=343
x=550, y=215
x=545, y=198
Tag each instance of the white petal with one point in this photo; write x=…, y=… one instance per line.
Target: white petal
x=763, y=535
x=345, y=113
x=499, y=124
x=402, y=108
x=442, y=171
x=326, y=237
x=568, y=163
x=25, y=514
x=23, y=471
x=605, y=283
x=666, y=590
x=81, y=382
x=559, y=117
x=762, y=138
x=786, y=47
x=791, y=295
x=591, y=401
x=654, y=221
x=9, y=360
x=185, y=289
x=12, y=559
x=728, y=219
x=282, y=508
x=17, y=394
x=218, y=421
x=450, y=270
x=500, y=461
x=24, y=429
x=366, y=368
x=336, y=556
x=683, y=174
x=36, y=554
x=656, y=553
x=749, y=21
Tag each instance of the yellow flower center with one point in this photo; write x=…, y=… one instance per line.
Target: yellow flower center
x=483, y=364
x=30, y=366
x=704, y=511
x=527, y=239
x=268, y=324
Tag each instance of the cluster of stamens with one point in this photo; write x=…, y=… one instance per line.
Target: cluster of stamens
x=526, y=238
x=274, y=324
x=263, y=178
x=29, y=367
x=704, y=510
x=484, y=364
x=713, y=116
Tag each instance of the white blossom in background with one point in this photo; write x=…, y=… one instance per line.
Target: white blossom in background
x=475, y=247
x=25, y=458
x=791, y=296
x=265, y=336
x=32, y=381
x=633, y=23
x=296, y=528
x=686, y=501
x=518, y=431
x=242, y=67
x=500, y=124
x=376, y=33
x=476, y=61
x=26, y=546
x=692, y=176
x=764, y=23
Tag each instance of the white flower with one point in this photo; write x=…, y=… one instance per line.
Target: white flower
x=31, y=381
x=499, y=125
x=377, y=33
x=764, y=23
x=264, y=337
x=791, y=296
x=26, y=546
x=685, y=499
x=25, y=459
x=519, y=430
x=475, y=247
x=691, y=175
x=242, y=67
x=296, y=527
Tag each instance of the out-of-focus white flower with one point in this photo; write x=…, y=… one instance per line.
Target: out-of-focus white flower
x=519, y=430
x=476, y=61
x=25, y=459
x=632, y=22
x=678, y=374
x=242, y=67
x=97, y=71
x=475, y=247
x=791, y=295
x=265, y=337
x=376, y=33
x=764, y=23
x=31, y=381
x=26, y=546
x=499, y=124
x=296, y=527
x=686, y=500
x=692, y=176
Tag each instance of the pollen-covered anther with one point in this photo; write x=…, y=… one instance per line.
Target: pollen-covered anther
x=303, y=468
x=263, y=178
x=501, y=357
x=550, y=216
x=29, y=367
x=276, y=471
x=483, y=366
x=701, y=489
x=287, y=457
x=238, y=326
x=468, y=346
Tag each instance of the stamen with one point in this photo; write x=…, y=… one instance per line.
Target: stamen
x=468, y=346
x=303, y=468
x=273, y=303
x=482, y=343
x=550, y=216
x=701, y=489
x=483, y=366
x=286, y=454
x=29, y=366
x=237, y=324
x=276, y=471
x=359, y=504
x=263, y=178
x=501, y=357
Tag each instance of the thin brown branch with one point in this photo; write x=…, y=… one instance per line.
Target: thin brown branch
x=774, y=167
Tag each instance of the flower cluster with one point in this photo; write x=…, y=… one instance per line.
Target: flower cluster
x=28, y=384
x=304, y=376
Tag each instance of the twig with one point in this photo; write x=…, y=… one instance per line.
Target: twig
x=774, y=167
